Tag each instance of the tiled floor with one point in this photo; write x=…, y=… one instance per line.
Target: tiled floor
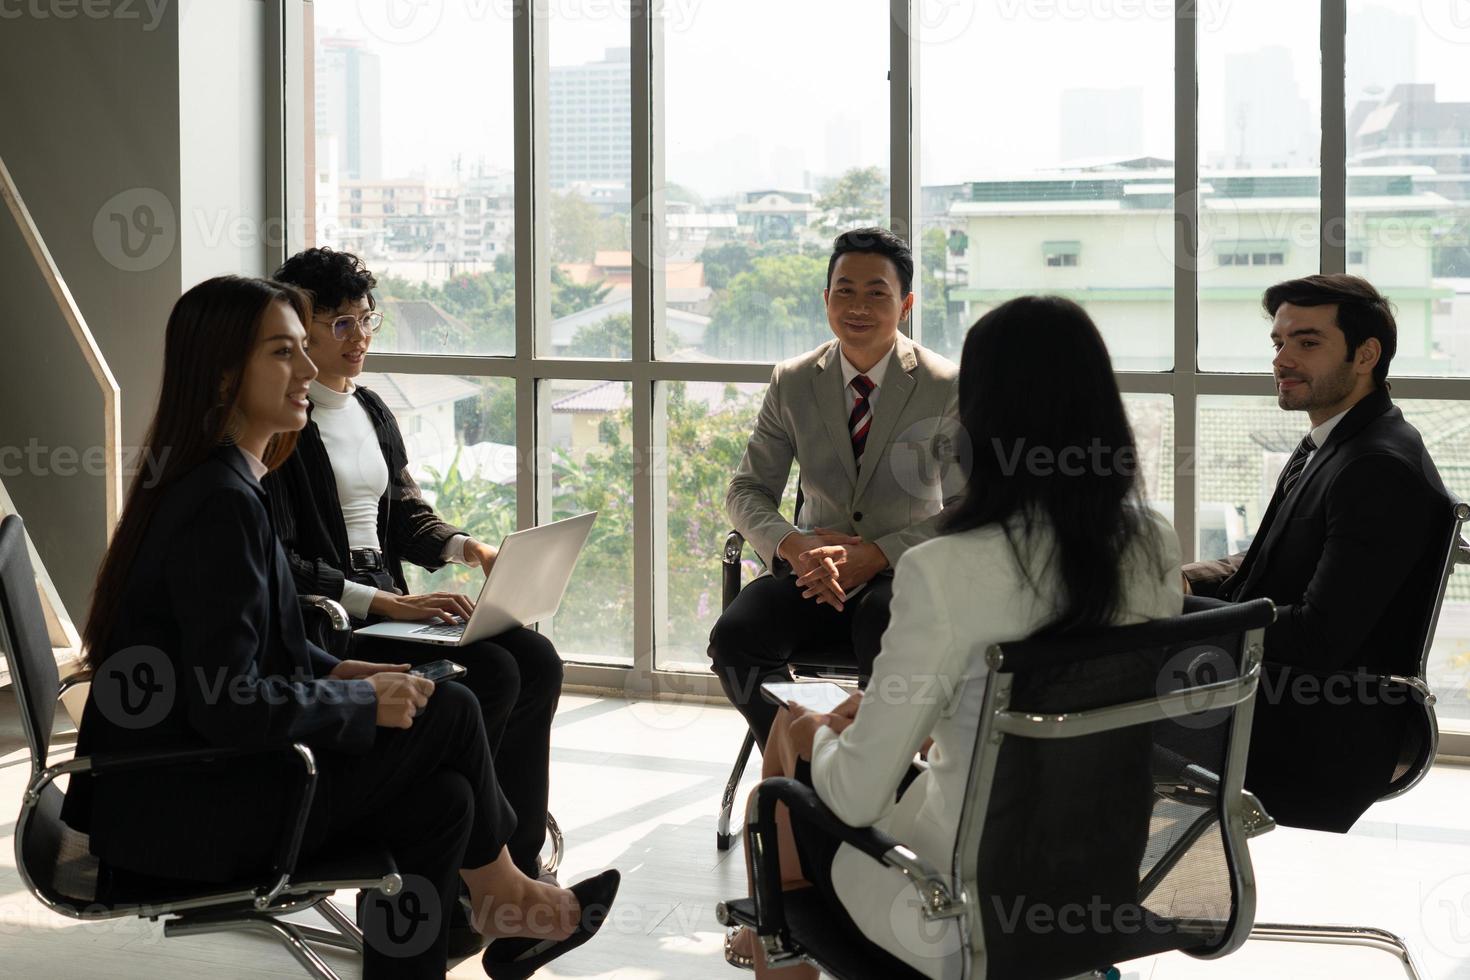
x=636, y=786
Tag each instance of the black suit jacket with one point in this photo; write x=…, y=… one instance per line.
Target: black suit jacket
x=307, y=514
x=1351, y=558
x=210, y=608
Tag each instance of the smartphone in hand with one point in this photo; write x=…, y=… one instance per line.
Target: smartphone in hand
x=440, y=670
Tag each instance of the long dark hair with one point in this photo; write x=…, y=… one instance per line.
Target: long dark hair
x=1053, y=447
x=210, y=336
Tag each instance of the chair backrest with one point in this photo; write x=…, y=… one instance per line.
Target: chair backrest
x=1421, y=734
x=1104, y=815
x=26, y=641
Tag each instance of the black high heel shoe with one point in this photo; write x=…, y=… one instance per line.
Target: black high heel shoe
x=518, y=958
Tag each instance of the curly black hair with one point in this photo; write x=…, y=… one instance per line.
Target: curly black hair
x=331, y=277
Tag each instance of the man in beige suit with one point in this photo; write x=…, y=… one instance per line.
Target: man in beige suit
x=871, y=418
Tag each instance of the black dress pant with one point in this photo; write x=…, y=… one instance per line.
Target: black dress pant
x=428, y=794
x=516, y=678
x=769, y=623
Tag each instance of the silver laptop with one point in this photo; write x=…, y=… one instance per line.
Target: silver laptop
x=525, y=586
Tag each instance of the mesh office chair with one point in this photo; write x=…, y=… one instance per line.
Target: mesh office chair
x=1074, y=802
x=56, y=863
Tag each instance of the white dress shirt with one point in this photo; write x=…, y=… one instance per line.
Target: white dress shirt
x=361, y=475
x=953, y=597
x=875, y=374
x=1320, y=433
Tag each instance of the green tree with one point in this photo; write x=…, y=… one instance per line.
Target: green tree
x=724, y=262
x=609, y=337
x=856, y=198
x=573, y=228
x=772, y=311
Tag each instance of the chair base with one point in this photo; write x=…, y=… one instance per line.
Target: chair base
x=723, y=837
x=1369, y=936
x=294, y=937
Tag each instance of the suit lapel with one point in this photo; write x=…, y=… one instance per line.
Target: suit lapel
x=832, y=405
x=1280, y=514
x=898, y=385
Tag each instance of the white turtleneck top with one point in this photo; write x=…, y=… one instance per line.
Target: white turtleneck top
x=362, y=478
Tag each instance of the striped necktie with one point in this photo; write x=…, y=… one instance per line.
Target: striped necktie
x=860, y=419
x=1297, y=463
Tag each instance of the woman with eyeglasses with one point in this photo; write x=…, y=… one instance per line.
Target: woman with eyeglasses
x=349, y=515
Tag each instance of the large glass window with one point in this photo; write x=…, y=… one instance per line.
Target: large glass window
x=1082, y=203
x=1408, y=205
x=706, y=426
x=587, y=437
x=418, y=183
x=1064, y=185
x=1260, y=181
x=763, y=166
x=590, y=140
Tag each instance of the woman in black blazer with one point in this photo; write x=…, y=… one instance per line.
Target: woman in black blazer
x=196, y=641
x=349, y=515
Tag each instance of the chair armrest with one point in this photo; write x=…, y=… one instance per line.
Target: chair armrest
x=336, y=614
x=804, y=804
x=730, y=568
x=83, y=676
x=298, y=804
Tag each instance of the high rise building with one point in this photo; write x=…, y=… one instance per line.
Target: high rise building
x=1098, y=123
x=1382, y=46
x=1268, y=123
x=348, y=106
x=591, y=121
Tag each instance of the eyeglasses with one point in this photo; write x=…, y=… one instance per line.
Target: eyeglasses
x=344, y=326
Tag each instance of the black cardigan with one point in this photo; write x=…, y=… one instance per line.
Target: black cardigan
x=307, y=513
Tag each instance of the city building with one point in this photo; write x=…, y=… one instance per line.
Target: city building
x=591, y=116
x=348, y=105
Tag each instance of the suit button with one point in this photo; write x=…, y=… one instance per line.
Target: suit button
x=858, y=516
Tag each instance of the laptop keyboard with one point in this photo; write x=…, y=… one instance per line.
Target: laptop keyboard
x=444, y=629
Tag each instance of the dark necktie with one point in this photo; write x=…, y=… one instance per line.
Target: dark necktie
x=1297, y=463
x=860, y=419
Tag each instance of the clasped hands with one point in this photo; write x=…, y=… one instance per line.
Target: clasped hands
x=828, y=564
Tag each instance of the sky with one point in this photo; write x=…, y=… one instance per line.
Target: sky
x=758, y=92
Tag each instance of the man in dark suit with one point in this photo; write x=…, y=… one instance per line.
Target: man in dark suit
x=1349, y=550
x=871, y=418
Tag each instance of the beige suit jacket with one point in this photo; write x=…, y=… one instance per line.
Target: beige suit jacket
x=914, y=463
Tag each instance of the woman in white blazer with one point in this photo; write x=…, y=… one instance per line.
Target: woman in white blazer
x=1052, y=535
